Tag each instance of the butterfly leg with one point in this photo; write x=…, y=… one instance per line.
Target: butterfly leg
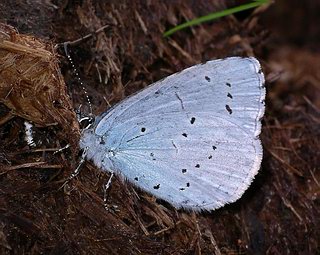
x=106, y=188
x=77, y=170
x=62, y=149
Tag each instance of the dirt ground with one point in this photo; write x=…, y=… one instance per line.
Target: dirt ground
x=278, y=214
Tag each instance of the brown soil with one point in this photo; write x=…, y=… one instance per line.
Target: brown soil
x=279, y=214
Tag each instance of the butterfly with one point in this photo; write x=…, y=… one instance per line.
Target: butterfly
x=191, y=139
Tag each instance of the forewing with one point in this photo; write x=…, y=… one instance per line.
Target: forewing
x=232, y=87
x=191, y=139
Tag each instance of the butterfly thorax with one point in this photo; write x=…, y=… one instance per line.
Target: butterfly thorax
x=97, y=149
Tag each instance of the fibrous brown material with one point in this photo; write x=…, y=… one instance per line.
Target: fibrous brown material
x=31, y=84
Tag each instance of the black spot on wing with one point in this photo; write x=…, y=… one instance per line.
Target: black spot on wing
x=152, y=156
x=143, y=129
x=184, y=170
x=192, y=120
x=156, y=186
x=207, y=78
x=187, y=185
x=229, y=109
x=197, y=165
x=184, y=134
x=228, y=84
x=102, y=140
x=229, y=95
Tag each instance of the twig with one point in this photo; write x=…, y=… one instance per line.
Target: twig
x=77, y=41
x=33, y=164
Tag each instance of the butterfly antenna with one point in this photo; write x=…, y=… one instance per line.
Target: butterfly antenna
x=76, y=73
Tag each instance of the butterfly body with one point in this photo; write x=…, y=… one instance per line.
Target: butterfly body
x=191, y=138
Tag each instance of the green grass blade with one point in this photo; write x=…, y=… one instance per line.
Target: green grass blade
x=214, y=15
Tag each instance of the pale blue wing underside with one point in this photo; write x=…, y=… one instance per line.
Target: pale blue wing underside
x=190, y=139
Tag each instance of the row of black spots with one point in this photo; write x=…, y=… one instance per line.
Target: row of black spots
x=187, y=185
x=214, y=148
x=152, y=156
x=228, y=109
x=184, y=170
x=229, y=95
x=207, y=78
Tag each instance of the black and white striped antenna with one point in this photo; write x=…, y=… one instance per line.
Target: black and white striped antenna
x=77, y=75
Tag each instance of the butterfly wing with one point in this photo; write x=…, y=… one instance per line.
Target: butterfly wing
x=190, y=139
